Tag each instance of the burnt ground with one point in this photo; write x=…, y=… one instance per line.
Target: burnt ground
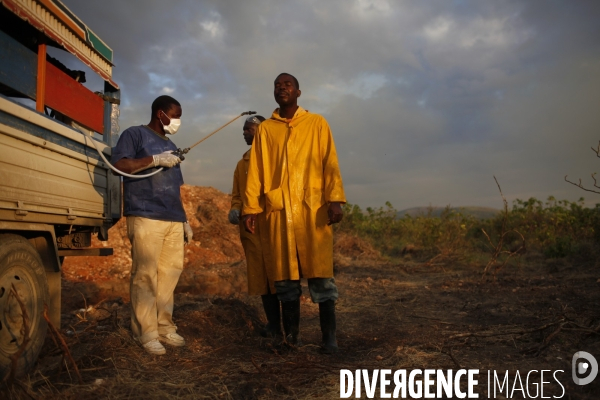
x=391, y=315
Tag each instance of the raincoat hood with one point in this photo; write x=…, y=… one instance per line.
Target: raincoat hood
x=299, y=115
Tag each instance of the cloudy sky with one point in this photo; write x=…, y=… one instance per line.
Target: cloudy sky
x=427, y=101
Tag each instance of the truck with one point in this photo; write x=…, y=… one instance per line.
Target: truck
x=56, y=191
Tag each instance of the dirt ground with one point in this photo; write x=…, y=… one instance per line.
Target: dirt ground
x=391, y=315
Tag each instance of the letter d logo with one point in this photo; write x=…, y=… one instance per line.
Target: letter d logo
x=580, y=367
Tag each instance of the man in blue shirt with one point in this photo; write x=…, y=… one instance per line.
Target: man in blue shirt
x=156, y=223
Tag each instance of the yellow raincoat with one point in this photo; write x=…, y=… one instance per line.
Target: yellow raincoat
x=294, y=165
x=256, y=256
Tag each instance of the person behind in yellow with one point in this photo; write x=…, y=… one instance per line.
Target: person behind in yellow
x=294, y=165
x=256, y=256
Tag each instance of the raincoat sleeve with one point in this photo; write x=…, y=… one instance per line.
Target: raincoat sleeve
x=333, y=186
x=254, y=183
x=236, y=193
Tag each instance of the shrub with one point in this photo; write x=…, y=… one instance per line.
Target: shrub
x=554, y=228
x=427, y=234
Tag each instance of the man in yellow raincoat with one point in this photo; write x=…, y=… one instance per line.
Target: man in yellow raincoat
x=255, y=251
x=294, y=165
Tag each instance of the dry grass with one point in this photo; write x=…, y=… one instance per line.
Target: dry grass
x=350, y=249
x=387, y=318
x=391, y=314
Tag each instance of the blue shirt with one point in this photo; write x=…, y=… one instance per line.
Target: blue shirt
x=157, y=197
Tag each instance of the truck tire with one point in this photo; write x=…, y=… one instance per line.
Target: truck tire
x=21, y=268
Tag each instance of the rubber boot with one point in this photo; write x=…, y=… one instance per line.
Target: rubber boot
x=327, y=319
x=271, y=306
x=291, y=321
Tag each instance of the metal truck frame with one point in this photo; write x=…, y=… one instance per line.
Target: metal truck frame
x=55, y=190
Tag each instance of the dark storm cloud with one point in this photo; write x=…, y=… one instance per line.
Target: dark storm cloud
x=427, y=100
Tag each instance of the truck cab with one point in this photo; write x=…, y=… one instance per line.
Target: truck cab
x=56, y=191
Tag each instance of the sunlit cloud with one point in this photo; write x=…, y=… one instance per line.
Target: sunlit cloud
x=427, y=100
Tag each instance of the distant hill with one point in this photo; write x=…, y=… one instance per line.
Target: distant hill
x=477, y=212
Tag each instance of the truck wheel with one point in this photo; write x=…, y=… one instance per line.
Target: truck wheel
x=21, y=270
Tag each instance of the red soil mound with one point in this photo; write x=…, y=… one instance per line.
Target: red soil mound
x=214, y=261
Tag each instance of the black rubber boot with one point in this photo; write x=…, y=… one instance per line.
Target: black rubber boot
x=291, y=322
x=327, y=319
x=271, y=306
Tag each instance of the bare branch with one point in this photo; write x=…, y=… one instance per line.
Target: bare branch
x=498, y=248
x=580, y=185
x=597, y=151
x=501, y=194
x=595, y=181
x=488, y=237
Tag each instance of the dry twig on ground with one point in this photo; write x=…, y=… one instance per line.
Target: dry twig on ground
x=512, y=332
x=57, y=337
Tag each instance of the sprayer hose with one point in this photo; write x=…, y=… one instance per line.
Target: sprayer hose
x=110, y=165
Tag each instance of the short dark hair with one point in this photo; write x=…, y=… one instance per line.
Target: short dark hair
x=292, y=76
x=163, y=103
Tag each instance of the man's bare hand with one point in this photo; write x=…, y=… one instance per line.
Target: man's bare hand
x=334, y=213
x=249, y=222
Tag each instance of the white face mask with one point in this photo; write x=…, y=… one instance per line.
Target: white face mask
x=173, y=126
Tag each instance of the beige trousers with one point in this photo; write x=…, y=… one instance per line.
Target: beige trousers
x=157, y=255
